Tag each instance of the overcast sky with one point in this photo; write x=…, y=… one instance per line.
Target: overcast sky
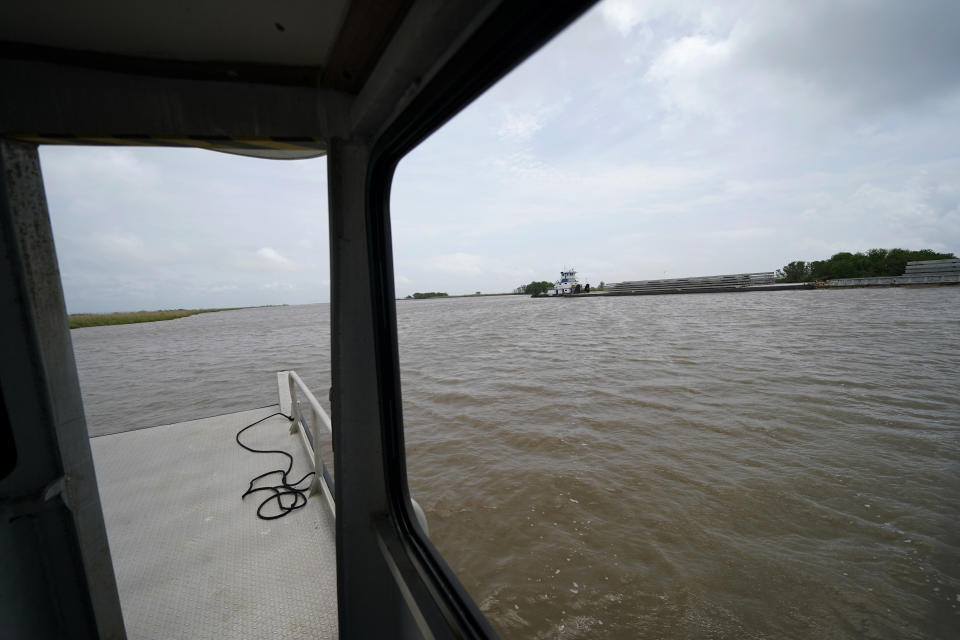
x=651, y=139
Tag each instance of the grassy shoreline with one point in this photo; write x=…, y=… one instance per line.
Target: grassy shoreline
x=81, y=320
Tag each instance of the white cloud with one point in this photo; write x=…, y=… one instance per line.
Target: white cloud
x=621, y=14
x=117, y=246
x=273, y=260
x=625, y=15
x=525, y=116
x=518, y=126
x=278, y=286
x=744, y=233
x=689, y=56
x=223, y=288
x=686, y=74
x=124, y=166
x=458, y=263
x=121, y=242
x=636, y=178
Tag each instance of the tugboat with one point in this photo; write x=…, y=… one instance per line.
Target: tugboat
x=567, y=284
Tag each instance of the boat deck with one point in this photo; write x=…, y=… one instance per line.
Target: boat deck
x=192, y=559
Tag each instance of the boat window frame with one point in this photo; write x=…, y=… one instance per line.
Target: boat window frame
x=512, y=33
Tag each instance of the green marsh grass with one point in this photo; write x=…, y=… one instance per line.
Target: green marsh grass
x=79, y=320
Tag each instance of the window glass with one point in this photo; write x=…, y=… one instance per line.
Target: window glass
x=757, y=460
x=155, y=231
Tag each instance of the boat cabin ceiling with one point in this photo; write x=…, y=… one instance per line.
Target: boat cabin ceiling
x=288, y=74
x=294, y=33
x=361, y=82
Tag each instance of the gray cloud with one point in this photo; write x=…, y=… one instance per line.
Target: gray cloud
x=873, y=55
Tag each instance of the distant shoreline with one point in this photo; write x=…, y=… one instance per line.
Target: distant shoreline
x=83, y=320
x=463, y=295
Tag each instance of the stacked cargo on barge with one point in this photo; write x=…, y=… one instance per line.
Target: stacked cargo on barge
x=700, y=284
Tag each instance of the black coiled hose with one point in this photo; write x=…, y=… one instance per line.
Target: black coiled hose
x=279, y=491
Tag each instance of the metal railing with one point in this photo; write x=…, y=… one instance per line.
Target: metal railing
x=308, y=416
x=308, y=419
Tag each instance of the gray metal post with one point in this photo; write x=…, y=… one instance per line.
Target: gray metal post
x=57, y=578
x=361, y=496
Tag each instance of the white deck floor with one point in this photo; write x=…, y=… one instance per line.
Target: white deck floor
x=192, y=560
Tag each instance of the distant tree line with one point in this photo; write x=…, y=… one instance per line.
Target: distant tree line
x=428, y=294
x=535, y=287
x=874, y=263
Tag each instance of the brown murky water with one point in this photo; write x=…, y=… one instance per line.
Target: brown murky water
x=779, y=465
